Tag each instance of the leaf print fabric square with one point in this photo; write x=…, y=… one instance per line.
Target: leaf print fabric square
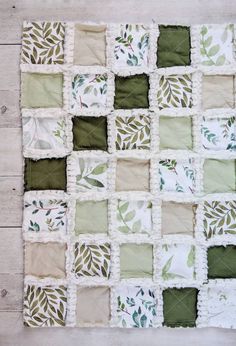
x=136, y=307
x=173, y=46
x=131, y=92
x=136, y=261
x=45, y=306
x=177, y=262
x=180, y=307
x=177, y=175
x=133, y=133
x=89, y=91
x=216, y=44
x=43, y=43
x=131, y=46
x=93, y=306
x=221, y=262
x=218, y=133
x=45, y=215
x=175, y=91
x=91, y=217
x=219, y=218
x=90, y=133
x=134, y=216
x=176, y=133
x=92, y=260
x=90, y=45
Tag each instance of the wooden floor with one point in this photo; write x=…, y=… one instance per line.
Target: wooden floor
x=12, y=13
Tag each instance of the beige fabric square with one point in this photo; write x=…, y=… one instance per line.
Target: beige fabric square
x=93, y=306
x=177, y=218
x=217, y=91
x=132, y=175
x=90, y=45
x=45, y=259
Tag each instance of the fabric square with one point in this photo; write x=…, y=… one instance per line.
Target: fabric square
x=219, y=218
x=176, y=133
x=41, y=90
x=91, y=217
x=89, y=44
x=218, y=133
x=221, y=262
x=45, y=306
x=221, y=307
x=175, y=91
x=178, y=176
x=134, y=217
x=216, y=44
x=177, y=218
x=92, y=260
x=93, y=306
x=44, y=133
x=133, y=133
x=177, y=262
x=45, y=174
x=131, y=46
x=43, y=43
x=219, y=176
x=217, y=91
x=136, y=261
x=45, y=215
x=180, y=307
x=88, y=91
x=90, y=174
x=45, y=259
x=90, y=133
x=173, y=46
x=131, y=92
x=136, y=307
x=132, y=175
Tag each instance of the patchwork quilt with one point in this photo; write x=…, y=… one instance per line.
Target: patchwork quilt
x=129, y=148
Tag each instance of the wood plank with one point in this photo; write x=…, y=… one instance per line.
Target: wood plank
x=11, y=161
x=11, y=261
x=11, y=290
x=9, y=107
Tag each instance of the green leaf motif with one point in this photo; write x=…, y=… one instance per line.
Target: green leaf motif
x=90, y=177
x=191, y=257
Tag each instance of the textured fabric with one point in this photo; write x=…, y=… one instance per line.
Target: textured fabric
x=173, y=46
x=41, y=90
x=90, y=45
x=221, y=262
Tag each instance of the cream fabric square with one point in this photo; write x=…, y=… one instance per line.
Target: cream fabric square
x=92, y=307
x=45, y=259
x=90, y=45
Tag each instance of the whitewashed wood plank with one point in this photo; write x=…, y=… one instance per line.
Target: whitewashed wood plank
x=11, y=251
x=9, y=107
x=9, y=66
x=11, y=290
x=10, y=152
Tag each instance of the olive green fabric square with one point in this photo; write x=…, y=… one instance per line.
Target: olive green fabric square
x=91, y=217
x=180, y=307
x=131, y=92
x=176, y=133
x=222, y=262
x=219, y=176
x=41, y=90
x=45, y=174
x=136, y=261
x=173, y=46
x=90, y=133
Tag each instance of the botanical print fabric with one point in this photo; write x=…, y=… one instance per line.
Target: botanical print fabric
x=129, y=148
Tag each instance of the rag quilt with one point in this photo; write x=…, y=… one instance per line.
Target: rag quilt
x=129, y=148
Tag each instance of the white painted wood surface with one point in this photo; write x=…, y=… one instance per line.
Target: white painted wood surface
x=12, y=13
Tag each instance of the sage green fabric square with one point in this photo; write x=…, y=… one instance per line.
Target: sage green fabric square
x=222, y=262
x=176, y=133
x=219, y=176
x=91, y=217
x=41, y=90
x=180, y=307
x=131, y=92
x=45, y=174
x=173, y=46
x=136, y=261
x=90, y=133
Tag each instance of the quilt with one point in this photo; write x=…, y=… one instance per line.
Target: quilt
x=129, y=148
